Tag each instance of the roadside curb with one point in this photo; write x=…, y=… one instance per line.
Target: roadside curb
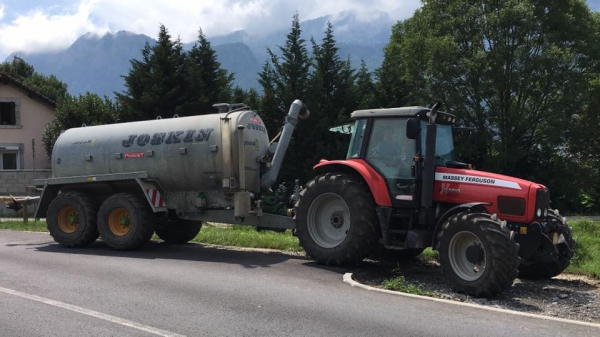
x=348, y=279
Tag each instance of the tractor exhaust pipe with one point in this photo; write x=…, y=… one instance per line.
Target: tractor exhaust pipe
x=297, y=110
x=429, y=165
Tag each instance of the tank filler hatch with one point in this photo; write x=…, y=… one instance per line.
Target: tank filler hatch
x=230, y=107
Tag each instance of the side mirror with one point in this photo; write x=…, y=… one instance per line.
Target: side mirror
x=412, y=128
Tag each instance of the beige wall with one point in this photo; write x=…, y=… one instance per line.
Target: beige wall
x=34, y=116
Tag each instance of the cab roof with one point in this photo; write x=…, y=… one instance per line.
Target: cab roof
x=409, y=111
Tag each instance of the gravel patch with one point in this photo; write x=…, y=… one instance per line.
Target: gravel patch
x=566, y=296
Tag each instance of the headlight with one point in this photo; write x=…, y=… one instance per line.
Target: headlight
x=539, y=213
x=545, y=212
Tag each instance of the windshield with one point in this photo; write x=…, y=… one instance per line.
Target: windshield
x=444, y=147
x=358, y=133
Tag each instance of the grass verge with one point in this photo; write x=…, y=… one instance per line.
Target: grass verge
x=399, y=283
x=587, y=250
x=18, y=225
x=244, y=236
x=238, y=236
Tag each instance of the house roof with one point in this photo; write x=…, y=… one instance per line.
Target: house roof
x=6, y=80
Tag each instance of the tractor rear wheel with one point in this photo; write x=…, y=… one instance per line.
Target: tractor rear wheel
x=71, y=219
x=125, y=221
x=335, y=220
x=478, y=254
x=175, y=231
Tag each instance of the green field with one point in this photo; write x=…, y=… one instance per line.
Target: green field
x=586, y=260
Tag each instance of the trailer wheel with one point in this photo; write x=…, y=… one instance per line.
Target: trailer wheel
x=336, y=220
x=125, y=221
x=478, y=254
x=175, y=231
x=71, y=219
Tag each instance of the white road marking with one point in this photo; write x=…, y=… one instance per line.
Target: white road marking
x=92, y=313
x=348, y=279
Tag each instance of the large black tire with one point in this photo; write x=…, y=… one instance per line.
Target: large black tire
x=125, y=221
x=176, y=231
x=478, y=254
x=71, y=219
x=547, y=270
x=336, y=222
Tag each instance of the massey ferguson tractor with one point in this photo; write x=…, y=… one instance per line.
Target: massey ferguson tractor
x=400, y=187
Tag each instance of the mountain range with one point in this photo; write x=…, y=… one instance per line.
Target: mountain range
x=97, y=63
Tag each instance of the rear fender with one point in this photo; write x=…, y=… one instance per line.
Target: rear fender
x=48, y=194
x=451, y=212
x=361, y=168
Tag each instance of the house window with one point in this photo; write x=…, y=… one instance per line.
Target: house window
x=10, y=158
x=8, y=113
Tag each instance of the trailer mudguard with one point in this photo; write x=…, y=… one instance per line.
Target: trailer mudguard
x=100, y=187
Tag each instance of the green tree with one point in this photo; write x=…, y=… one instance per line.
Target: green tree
x=401, y=77
x=48, y=86
x=365, y=93
x=89, y=109
x=207, y=82
x=514, y=69
x=285, y=79
x=287, y=76
x=330, y=101
x=17, y=69
x=156, y=84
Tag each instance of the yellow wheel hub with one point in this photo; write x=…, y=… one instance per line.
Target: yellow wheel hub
x=68, y=219
x=119, y=221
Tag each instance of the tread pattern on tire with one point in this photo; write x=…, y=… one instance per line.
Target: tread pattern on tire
x=362, y=234
x=502, y=259
x=144, y=222
x=88, y=210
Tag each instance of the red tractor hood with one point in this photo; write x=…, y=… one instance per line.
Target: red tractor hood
x=459, y=186
x=481, y=178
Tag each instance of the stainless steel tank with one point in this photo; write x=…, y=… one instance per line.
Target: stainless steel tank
x=183, y=154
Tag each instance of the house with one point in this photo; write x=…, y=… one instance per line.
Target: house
x=24, y=114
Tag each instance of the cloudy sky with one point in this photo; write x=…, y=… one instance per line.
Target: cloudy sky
x=46, y=25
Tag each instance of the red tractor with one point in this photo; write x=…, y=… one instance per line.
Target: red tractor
x=401, y=187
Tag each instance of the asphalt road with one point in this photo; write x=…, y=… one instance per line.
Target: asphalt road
x=47, y=290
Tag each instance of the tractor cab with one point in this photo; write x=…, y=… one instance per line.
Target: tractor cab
x=392, y=141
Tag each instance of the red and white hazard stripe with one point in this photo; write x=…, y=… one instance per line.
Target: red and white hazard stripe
x=155, y=197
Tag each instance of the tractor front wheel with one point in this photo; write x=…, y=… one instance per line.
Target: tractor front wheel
x=336, y=220
x=478, y=254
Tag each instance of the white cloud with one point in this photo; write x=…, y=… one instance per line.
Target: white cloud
x=38, y=30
